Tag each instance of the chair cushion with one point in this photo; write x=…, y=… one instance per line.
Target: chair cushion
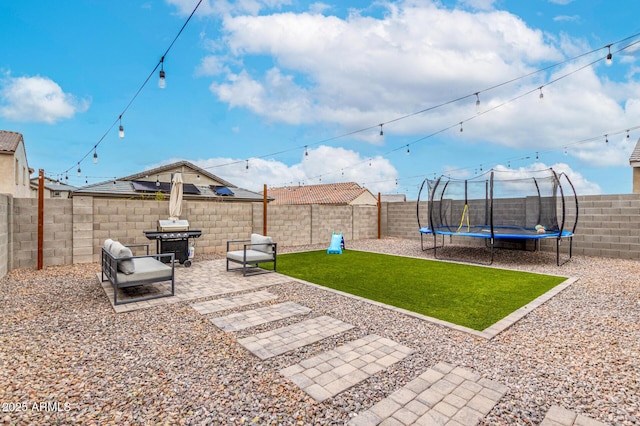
x=127, y=267
x=252, y=256
x=260, y=243
x=107, y=244
x=147, y=268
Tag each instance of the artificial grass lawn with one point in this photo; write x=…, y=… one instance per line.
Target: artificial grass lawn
x=467, y=295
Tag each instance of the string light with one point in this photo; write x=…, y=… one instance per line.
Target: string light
x=606, y=138
x=565, y=151
x=95, y=156
x=79, y=171
x=477, y=101
x=247, y=166
x=408, y=152
x=162, y=83
x=541, y=94
x=120, y=128
x=536, y=155
x=461, y=129
x=157, y=181
x=609, y=60
x=381, y=132
x=306, y=152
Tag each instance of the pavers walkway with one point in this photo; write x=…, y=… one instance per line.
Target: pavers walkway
x=281, y=340
x=442, y=395
x=241, y=320
x=558, y=416
x=332, y=372
x=224, y=303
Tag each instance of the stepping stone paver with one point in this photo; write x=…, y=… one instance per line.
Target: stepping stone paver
x=442, y=395
x=332, y=372
x=558, y=416
x=241, y=320
x=224, y=303
x=281, y=340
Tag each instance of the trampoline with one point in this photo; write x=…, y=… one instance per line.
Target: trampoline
x=502, y=210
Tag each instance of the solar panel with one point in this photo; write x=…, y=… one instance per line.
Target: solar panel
x=146, y=186
x=221, y=190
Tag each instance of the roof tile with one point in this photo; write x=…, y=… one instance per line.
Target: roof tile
x=330, y=193
x=9, y=141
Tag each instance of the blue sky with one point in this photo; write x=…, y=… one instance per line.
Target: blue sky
x=297, y=90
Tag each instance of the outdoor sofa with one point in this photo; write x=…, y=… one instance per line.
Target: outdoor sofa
x=123, y=270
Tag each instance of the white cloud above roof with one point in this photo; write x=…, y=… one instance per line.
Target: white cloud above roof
x=37, y=99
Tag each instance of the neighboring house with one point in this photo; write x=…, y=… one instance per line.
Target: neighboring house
x=198, y=184
x=14, y=168
x=346, y=193
x=52, y=188
x=634, y=161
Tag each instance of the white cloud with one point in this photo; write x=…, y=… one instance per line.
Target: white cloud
x=354, y=72
x=566, y=18
x=323, y=165
x=225, y=7
x=276, y=97
x=37, y=99
x=479, y=4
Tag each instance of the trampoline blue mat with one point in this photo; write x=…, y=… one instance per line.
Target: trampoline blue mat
x=511, y=232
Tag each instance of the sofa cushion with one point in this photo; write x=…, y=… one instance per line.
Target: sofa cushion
x=147, y=269
x=107, y=244
x=127, y=267
x=261, y=243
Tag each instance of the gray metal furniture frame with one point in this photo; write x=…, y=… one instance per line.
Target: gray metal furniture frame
x=249, y=259
x=110, y=271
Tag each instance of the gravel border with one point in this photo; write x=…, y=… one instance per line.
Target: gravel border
x=66, y=357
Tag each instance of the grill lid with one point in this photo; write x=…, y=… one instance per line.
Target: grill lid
x=173, y=225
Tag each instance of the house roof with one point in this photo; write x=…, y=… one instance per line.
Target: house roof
x=330, y=193
x=9, y=141
x=124, y=187
x=634, y=160
x=52, y=185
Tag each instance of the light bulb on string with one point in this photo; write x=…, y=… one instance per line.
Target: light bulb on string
x=381, y=132
x=162, y=81
x=477, y=101
x=247, y=165
x=565, y=151
x=609, y=60
x=79, y=171
x=408, y=152
x=536, y=156
x=306, y=152
x=121, y=129
x=627, y=135
x=461, y=130
x=95, y=156
x=541, y=94
x=606, y=139
x=158, y=181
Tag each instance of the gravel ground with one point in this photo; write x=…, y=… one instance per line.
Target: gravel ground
x=67, y=358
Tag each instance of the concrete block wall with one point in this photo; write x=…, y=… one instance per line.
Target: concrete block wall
x=75, y=229
x=58, y=232
x=5, y=233
x=288, y=225
x=328, y=219
x=402, y=219
x=365, y=222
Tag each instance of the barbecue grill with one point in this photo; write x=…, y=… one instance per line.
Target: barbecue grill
x=173, y=236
